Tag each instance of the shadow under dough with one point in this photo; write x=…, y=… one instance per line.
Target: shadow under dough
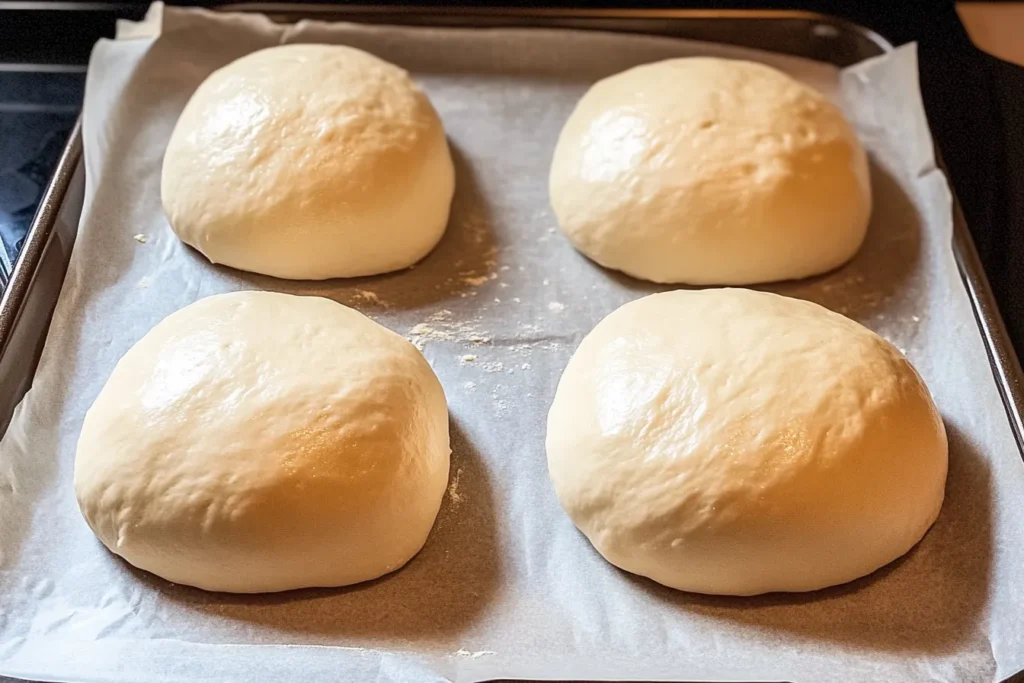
x=928, y=601
x=438, y=594
x=464, y=256
x=882, y=268
x=865, y=285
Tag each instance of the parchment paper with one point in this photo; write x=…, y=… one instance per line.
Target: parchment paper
x=505, y=586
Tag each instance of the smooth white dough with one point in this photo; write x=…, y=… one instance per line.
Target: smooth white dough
x=255, y=442
x=309, y=162
x=710, y=171
x=736, y=442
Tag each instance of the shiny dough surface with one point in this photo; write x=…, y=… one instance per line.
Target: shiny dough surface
x=255, y=442
x=309, y=162
x=710, y=171
x=737, y=442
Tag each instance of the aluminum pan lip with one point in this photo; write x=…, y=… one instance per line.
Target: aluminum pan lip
x=26, y=267
x=437, y=14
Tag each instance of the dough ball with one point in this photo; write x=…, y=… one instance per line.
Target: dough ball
x=255, y=442
x=309, y=162
x=735, y=442
x=710, y=171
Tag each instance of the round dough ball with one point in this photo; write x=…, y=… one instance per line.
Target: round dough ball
x=256, y=442
x=309, y=162
x=710, y=171
x=735, y=442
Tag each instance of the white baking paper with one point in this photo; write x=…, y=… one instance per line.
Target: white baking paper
x=506, y=587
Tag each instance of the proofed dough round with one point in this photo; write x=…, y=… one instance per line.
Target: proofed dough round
x=710, y=171
x=736, y=442
x=256, y=442
x=309, y=162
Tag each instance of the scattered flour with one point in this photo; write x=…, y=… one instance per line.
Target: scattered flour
x=556, y=306
x=473, y=655
x=501, y=406
x=442, y=326
x=367, y=296
x=453, y=488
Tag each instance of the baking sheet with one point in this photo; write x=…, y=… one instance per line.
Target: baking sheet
x=505, y=586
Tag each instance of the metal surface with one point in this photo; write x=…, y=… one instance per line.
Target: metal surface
x=12, y=303
x=805, y=34
x=29, y=299
x=1002, y=357
x=39, y=104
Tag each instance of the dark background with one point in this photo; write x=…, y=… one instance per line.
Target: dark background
x=974, y=102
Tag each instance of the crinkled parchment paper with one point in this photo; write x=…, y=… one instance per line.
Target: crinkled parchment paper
x=505, y=587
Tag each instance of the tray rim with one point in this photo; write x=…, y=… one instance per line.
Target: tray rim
x=37, y=239
x=440, y=11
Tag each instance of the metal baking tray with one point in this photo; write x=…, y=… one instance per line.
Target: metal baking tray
x=27, y=303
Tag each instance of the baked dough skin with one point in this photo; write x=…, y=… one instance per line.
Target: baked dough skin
x=255, y=442
x=735, y=442
x=710, y=171
x=309, y=162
